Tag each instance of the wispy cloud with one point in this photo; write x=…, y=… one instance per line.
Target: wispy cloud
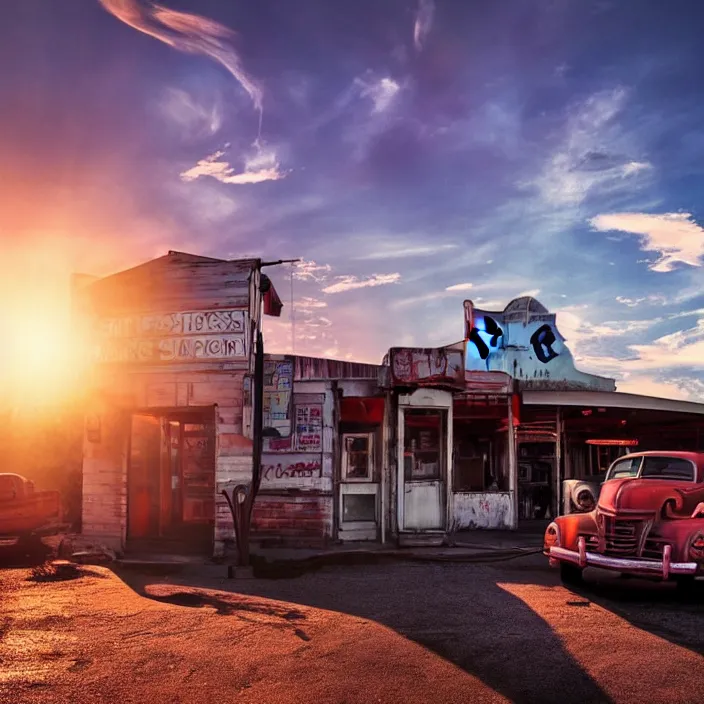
x=582, y=164
x=400, y=252
x=633, y=167
x=311, y=271
x=381, y=92
x=261, y=167
x=350, y=283
x=423, y=23
x=675, y=236
x=460, y=287
x=194, y=118
x=189, y=33
x=633, y=302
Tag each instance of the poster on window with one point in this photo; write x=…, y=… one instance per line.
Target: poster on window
x=309, y=428
x=278, y=385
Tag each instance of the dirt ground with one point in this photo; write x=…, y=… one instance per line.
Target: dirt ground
x=85, y=636
x=400, y=632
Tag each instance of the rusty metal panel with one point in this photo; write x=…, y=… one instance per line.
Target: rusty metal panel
x=319, y=369
x=489, y=510
x=416, y=366
x=478, y=382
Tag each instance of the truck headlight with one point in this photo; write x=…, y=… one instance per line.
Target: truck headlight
x=552, y=536
x=696, y=547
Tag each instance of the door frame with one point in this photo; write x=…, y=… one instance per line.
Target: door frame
x=430, y=400
x=367, y=486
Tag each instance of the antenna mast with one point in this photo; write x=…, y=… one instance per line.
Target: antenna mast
x=293, y=315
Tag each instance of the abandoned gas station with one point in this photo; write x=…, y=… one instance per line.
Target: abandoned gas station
x=480, y=433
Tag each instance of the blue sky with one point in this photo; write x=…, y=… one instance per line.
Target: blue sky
x=413, y=154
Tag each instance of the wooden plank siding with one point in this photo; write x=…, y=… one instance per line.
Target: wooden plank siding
x=175, y=297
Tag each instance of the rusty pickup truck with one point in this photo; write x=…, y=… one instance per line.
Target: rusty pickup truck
x=649, y=521
x=25, y=514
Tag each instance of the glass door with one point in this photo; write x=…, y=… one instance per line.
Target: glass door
x=359, y=488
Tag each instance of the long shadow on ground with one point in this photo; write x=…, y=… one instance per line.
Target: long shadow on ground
x=457, y=611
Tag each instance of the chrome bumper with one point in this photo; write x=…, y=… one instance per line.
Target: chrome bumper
x=659, y=568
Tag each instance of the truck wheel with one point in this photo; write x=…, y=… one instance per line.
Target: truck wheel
x=571, y=575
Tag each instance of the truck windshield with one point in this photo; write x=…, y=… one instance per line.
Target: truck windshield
x=667, y=468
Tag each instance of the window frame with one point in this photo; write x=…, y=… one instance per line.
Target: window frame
x=346, y=457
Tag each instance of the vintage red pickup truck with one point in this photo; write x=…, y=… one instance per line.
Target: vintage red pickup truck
x=649, y=521
x=26, y=514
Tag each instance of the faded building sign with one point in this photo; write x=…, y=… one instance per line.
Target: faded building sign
x=427, y=366
x=184, y=323
x=309, y=428
x=188, y=336
x=524, y=342
x=278, y=387
x=186, y=349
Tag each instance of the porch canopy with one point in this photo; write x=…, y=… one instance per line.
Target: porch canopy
x=656, y=423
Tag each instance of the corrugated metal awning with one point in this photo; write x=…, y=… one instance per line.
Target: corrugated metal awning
x=610, y=399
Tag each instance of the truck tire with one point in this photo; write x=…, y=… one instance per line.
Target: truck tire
x=571, y=575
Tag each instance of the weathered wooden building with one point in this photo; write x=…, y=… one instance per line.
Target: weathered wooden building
x=432, y=441
x=169, y=416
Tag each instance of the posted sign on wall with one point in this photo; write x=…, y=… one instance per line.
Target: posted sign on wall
x=309, y=428
x=189, y=336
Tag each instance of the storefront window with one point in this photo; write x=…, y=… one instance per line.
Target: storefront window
x=358, y=508
x=423, y=442
x=357, y=460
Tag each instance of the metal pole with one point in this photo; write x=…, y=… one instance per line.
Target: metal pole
x=512, y=463
x=555, y=508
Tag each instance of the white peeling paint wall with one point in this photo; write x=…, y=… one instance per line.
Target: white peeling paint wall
x=491, y=510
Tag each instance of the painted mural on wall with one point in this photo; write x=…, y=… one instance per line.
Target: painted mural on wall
x=278, y=389
x=524, y=342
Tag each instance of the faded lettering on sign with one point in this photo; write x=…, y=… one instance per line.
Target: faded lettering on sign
x=181, y=323
x=309, y=428
x=184, y=349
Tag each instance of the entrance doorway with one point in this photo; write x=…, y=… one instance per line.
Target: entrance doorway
x=171, y=481
x=423, y=481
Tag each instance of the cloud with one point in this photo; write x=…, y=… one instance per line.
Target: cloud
x=588, y=159
x=311, y=271
x=189, y=33
x=403, y=252
x=675, y=236
x=460, y=287
x=257, y=169
x=194, y=119
x=350, y=283
x=423, y=23
x=633, y=302
x=647, y=386
x=381, y=92
x=531, y=293
x=633, y=167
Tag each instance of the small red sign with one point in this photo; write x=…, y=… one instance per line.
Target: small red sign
x=614, y=443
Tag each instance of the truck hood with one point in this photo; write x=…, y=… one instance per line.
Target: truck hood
x=643, y=495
